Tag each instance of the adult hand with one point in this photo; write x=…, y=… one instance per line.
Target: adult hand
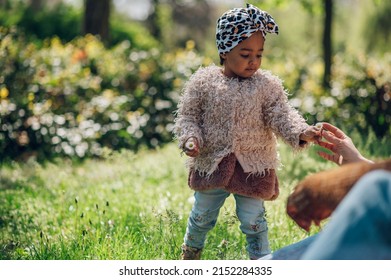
x=342, y=148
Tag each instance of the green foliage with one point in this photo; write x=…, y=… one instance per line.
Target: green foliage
x=379, y=19
x=134, y=32
x=360, y=96
x=65, y=22
x=363, y=95
x=73, y=99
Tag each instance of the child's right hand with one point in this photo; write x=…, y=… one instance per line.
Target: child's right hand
x=191, y=147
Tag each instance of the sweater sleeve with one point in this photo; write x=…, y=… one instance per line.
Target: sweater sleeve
x=284, y=120
x=188, y=119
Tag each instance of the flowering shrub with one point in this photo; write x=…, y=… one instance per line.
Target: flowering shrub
x=360, y=96
x=363, y=96
x=74, y=99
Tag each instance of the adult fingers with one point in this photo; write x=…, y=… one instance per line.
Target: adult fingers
x=327, y=145
x=334, y=157
x=331, y=137
x=335, y=130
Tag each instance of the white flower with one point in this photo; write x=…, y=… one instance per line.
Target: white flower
x=189, y=145
x=319, y=125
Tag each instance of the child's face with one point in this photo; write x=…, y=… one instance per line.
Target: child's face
x=245, y=59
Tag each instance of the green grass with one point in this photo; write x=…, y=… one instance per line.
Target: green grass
x=128, y=206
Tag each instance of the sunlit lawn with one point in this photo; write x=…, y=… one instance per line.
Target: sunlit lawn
x=128, y=206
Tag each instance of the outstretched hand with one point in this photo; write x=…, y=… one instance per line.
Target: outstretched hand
x=311, y=134
x=341, y=146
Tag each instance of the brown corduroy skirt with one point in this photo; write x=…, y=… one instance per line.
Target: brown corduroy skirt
x=231, y=177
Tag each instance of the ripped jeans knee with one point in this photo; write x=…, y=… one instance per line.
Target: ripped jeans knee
x=253, y=224
x=203, y=216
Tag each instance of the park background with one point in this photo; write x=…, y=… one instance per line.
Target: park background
x=89, y=168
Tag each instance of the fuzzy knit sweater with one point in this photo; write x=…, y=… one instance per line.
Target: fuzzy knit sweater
x=241, y=116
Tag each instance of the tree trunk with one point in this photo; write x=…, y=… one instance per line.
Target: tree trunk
x=327, y=43
x=36, y=5
x=4, y=4
x=153, y=21
x=96, y=18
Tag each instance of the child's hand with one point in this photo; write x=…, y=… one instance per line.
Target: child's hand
x=312, y=134
x=191, y=147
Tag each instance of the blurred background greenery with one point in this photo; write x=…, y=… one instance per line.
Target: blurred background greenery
x=79, y=78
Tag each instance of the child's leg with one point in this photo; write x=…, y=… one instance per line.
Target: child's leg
x=251, y=214
x=203, y=216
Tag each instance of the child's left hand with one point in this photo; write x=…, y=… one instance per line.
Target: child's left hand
x=311, y=134
x=191, y=147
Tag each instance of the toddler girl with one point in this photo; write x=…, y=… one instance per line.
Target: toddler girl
x=227, y=122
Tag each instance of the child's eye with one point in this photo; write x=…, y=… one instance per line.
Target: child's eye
x=244, y=55
x=259, y=55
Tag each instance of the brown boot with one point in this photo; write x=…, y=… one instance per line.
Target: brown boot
x=190, y=253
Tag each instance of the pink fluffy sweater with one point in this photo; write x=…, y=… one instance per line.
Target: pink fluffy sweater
x=240, y=116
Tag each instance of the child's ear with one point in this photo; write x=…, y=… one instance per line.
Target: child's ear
x=222, y=58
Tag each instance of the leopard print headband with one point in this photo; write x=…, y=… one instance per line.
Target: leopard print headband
x=236, y=25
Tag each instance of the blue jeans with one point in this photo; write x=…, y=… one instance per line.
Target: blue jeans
x=250, y=212
x=360, y=227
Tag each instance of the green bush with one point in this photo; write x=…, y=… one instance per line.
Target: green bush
x=74, y=99
x=363, y=93
x=65, y=22
x=360, y=97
